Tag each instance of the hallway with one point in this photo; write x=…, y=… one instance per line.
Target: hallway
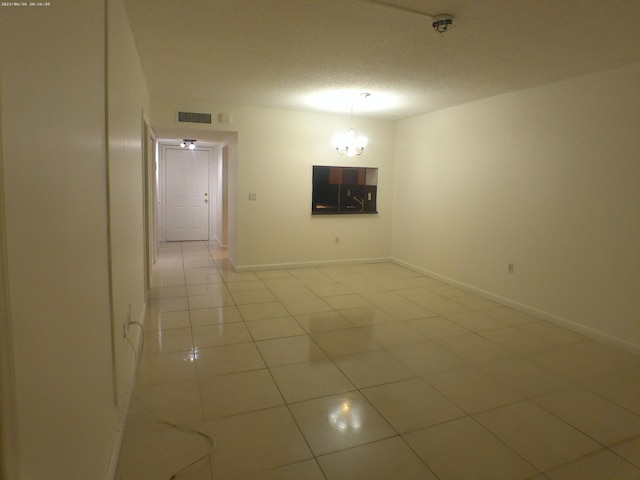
x=367, y=372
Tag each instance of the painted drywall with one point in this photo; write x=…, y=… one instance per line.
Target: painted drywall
x=53, y=117
x=546, y=178
x=276, y=150
x=128, y=100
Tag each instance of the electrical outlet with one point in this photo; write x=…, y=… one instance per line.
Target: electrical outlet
x=510, y=268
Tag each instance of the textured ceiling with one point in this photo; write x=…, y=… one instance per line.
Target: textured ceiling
x=286, y=53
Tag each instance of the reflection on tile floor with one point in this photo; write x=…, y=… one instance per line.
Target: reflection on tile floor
x=367, y=372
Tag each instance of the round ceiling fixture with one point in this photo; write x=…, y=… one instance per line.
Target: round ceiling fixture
x=442, y=23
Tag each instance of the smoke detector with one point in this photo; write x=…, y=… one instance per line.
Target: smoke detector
x=442, y=23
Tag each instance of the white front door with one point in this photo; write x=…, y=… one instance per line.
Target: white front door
x=187, y=194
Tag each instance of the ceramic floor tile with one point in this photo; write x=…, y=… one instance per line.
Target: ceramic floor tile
x=306, y=305
x=330, y=289
x=437, y=327
x=524, y=377
x=206, y=289
x=153, y=454
x=162, y=305
x=444, y=306
x=622, y=388
x=323, y=322
x=173, y=340
x=578, y=364
x=475, y=302
x=305, y=381
x=373, y=367
x=247, y=286
x=261, y=311
x=224, y=395
x=253, y=296
x=629, y=450
x=311, y=276
x=195, y=276
x=411, y=405
x=341, y=421
x=166, y=367
x=307, y=470
x=474, y=348
x=463, y=450
x=519, y=339
x=241, y=451
x=166, y=320
x=215, y=315
x=406, y=311
x=366, y=316
x=478, y=321
x=168, y=278
x=448, y=291
x=383, y=298
x=168, y=292
x=274, y=328
x=511, y=315
x=418, y=294
x=554, y=334
x=393, y=334
x=311, y=337
x=224, y=334
x=343, y=302
x=538, y=436
x=599, y=418
x=237, y=358
x=383, y=460
x=210, y=301
x=427, y=358
x=344, y=342
x=473, y=390
x=231, y=276
x=287, y=350
x=603, y=465
x=176, y=402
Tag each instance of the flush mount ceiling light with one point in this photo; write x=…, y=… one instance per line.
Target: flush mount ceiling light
x=188, y=142
x=442, y=23
x=349, y=143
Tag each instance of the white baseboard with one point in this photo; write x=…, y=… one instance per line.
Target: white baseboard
x=115, y=454
x=541, y=314
x=319, y=263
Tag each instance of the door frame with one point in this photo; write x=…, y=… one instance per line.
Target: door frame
x=149, y=202
x=162, y=184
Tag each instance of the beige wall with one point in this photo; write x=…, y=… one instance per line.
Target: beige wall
x=547, y=178
x=57, y=240
x=276, y=150
x=54, y=156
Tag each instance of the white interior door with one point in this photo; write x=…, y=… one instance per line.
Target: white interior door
x=187, y=194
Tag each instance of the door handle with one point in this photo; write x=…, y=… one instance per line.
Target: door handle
x=206, y=200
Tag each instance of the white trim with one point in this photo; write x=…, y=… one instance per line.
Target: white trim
x=124, y=413
x=319, y=263
x=541, y=314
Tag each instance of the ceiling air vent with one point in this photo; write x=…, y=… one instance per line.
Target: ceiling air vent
x=193, y=117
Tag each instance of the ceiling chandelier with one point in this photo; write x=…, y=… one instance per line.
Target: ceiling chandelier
x=349, y=143
x=188, y=143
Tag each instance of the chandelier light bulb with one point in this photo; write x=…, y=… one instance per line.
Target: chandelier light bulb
x=349, y=143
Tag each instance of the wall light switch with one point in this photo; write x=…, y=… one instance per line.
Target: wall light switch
x=253, y=196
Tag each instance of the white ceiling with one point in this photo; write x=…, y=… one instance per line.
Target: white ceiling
x=285, y=53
